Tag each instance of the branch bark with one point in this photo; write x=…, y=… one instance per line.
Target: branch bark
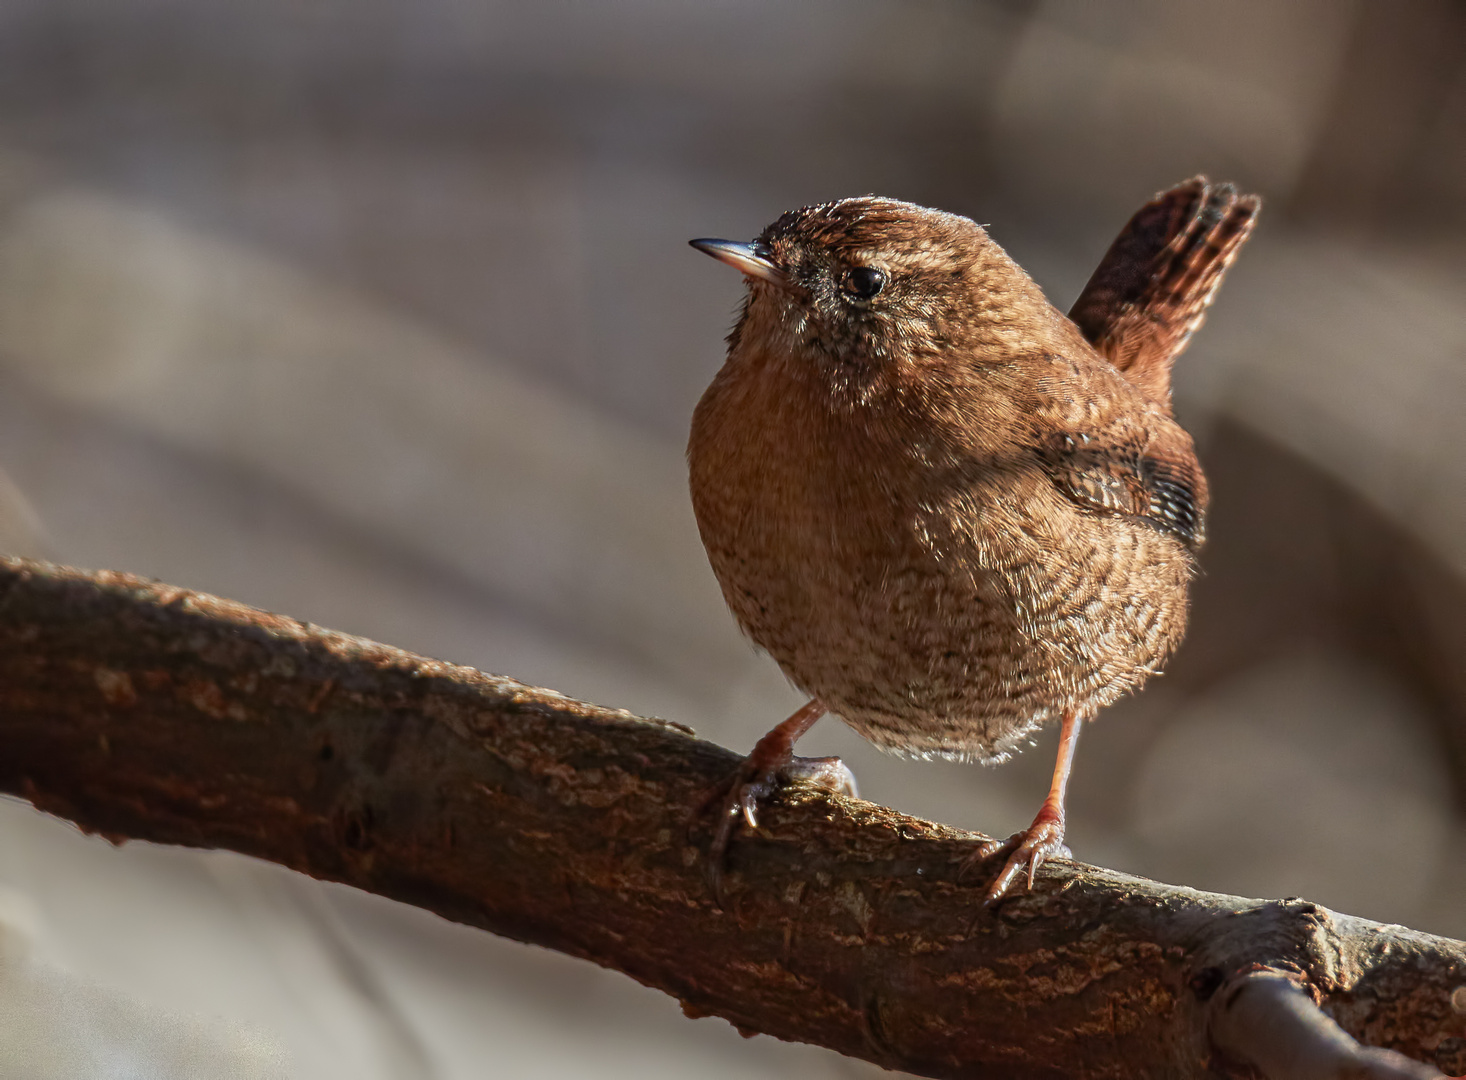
x=141, y=710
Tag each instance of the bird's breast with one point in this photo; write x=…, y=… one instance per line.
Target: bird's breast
x=941, y=604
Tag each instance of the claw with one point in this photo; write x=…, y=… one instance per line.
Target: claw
x=746, y=789
x=1041, y=841
x=1044, y=839
x=750, y=806
x=757, y=778
x=739, y=795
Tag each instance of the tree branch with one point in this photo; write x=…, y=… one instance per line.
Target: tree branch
x=142, y=710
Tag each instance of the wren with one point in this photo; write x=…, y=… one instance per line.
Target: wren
x=949, y=513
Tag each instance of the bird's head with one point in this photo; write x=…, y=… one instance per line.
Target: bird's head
x=870, y=283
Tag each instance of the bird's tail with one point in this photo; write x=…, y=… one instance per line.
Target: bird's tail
x=1152, y=288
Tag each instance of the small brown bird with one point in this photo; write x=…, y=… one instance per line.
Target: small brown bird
x=948, y=512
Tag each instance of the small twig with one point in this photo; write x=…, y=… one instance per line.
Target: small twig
x=1265, y=1018
x=143, y=710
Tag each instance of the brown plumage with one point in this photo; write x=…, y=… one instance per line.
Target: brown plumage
x=1151, y=291
x=943, y=513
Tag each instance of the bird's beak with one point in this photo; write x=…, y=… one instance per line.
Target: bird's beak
x=752, y=259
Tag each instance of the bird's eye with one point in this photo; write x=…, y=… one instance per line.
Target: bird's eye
x=863, y=282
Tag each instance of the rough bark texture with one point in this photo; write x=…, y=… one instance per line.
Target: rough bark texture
x=141, y=710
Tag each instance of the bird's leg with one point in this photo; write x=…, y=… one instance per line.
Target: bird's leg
x=771, y=761
x=1045, y=837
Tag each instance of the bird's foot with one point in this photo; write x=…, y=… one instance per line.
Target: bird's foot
x=758, y=777
x=1041, y=841
x=746, y=789
x=829, y=773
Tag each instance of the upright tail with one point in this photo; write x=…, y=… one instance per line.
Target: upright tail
x=1151, y=290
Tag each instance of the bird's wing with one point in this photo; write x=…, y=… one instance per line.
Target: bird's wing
x=1153, y=477
x=1151, y=290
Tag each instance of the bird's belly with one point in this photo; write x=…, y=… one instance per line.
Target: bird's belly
x=939, y=636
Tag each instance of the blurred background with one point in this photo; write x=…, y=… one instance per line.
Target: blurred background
x=380, y=313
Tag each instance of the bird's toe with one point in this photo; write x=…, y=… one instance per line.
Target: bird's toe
x=829, y=773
